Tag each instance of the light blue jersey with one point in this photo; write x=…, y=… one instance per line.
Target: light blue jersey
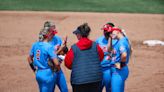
x=56, y=42
x=42, y=52
x=119, y=76
x=119, y=48
x=106, y=63
x=60, y=80
x=102, y=41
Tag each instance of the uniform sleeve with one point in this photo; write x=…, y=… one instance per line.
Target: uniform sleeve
x=69, y=59
x=32, y=50
x=51, y=52
x=122, y=48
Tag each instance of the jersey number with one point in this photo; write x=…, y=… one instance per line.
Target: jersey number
x=38, y=54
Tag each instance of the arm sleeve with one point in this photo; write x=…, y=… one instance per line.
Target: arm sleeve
x=100, y=52
x=69, y=59
x=122, y=48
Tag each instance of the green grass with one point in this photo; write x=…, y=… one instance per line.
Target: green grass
x=130, y=6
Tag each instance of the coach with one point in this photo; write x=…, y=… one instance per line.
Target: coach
x=84, y=59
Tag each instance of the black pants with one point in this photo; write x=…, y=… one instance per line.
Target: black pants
x=89, y=87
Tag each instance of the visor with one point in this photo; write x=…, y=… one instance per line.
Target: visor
x=77, y=31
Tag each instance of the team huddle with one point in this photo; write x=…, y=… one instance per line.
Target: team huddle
x=93, y=64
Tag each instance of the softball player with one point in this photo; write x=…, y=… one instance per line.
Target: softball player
x=56, y=42
x=41, y=52
x=120, y=58
x=103, y=42
x=60, y=79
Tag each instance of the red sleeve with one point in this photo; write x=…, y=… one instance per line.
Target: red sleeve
x=69, y=59
x=100, y=52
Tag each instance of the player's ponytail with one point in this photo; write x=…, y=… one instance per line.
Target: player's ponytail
x=47, y=30
x=42, y=33
x=125, y=35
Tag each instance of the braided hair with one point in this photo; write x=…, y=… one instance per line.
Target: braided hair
x=45, y=30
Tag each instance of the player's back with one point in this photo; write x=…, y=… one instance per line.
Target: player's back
x=41, y=54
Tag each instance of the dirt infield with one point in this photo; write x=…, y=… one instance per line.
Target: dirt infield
x=18, y=30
